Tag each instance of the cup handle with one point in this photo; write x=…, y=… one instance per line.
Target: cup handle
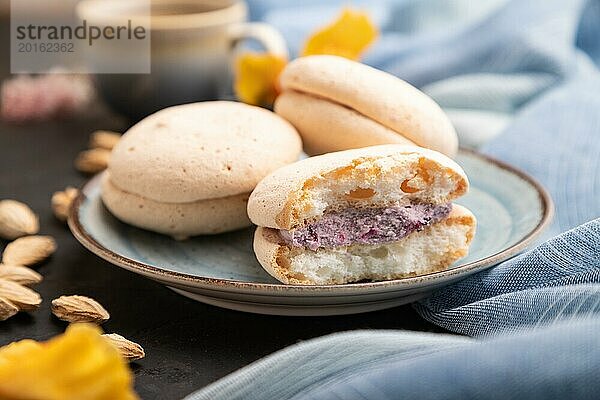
x=265, y=34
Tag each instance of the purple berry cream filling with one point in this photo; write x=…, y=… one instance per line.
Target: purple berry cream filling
x=365, y=226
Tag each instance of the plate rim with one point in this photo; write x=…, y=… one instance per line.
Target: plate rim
x=154, y=272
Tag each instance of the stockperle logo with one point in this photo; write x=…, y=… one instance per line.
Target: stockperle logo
x=91, y=36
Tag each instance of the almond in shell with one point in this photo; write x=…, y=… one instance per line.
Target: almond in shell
x=19, y=274
x=61, y=202
x=104, y=139
x=17, y=219
x=21, y=296
x=79, y=309
x=92, y=161
x=29, y=250
x=7, y=309
x=129, y=350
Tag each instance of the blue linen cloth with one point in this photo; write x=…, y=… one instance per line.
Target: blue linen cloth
x=559, y=362
x=520, y=81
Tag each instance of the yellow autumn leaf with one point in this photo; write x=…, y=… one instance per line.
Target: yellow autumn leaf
x=347, y=37
x=256, y=74
x=256, y=77
x=78, y=365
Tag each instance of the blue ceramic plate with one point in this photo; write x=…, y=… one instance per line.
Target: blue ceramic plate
x=511, y=208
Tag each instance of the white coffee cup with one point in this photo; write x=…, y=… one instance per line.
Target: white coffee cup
x=192, y=50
